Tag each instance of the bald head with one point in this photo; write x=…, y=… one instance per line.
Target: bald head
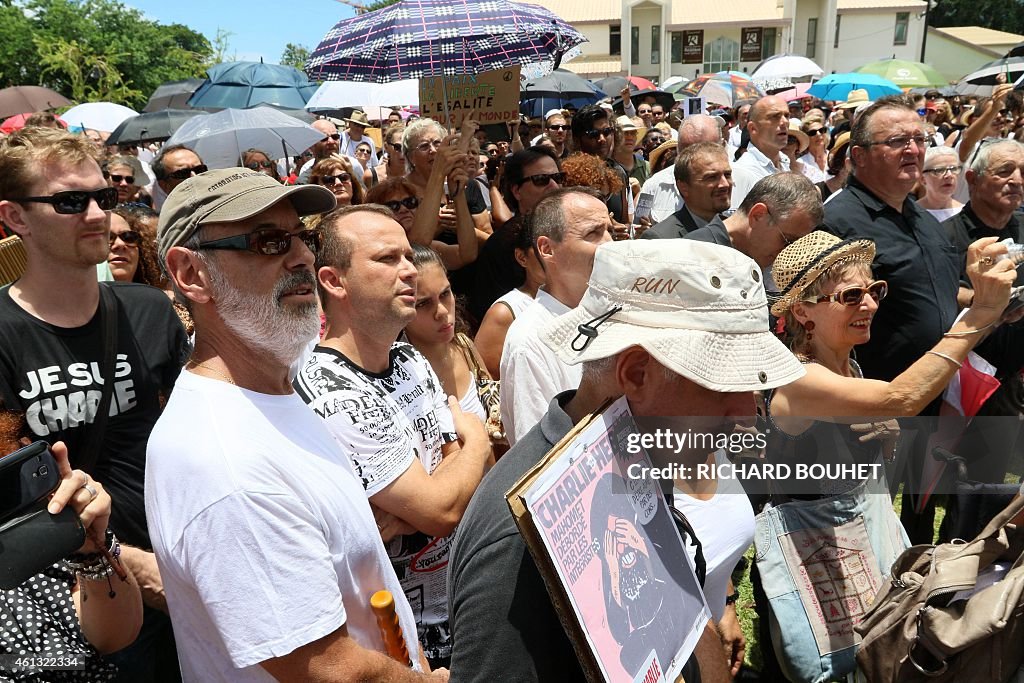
x=699, y=128
x=769, y=125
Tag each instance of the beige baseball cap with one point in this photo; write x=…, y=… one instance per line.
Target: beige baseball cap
x=230, y=195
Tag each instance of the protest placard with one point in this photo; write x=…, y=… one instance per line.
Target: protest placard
x=610, y=554
x=494, y=95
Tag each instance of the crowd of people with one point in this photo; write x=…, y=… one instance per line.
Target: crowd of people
x=278, y=388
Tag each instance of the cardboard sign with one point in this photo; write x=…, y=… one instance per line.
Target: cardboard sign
x=693, y=47
x=494, y=95
x=611, y=556
x=691, y=106
x=750, y=47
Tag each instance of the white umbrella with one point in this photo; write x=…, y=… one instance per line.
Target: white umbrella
x=340, y=94
x=102, y=116
x=787, y=66
x=219, y=139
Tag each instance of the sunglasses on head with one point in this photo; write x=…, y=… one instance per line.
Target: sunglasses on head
x=257, y=165
x=542, y=179
x=129, y=237
x=334, y=179
x=594, y=133
x=186, y=173
x=410, y=203
x=75, y=201
x=130, y=179
x=852, y=296
x=266, y=242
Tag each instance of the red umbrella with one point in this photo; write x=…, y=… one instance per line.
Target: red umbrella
x=642, y=83
x=17, y=122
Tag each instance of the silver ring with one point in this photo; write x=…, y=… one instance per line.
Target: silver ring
x=92, y=492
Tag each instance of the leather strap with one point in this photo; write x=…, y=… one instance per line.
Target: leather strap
x=94, y=435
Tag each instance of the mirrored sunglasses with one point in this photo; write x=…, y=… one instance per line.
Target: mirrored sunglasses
x=266, y=242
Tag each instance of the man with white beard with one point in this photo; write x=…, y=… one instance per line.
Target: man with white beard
x=262, y=531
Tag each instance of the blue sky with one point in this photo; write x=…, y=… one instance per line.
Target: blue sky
x=259, y=28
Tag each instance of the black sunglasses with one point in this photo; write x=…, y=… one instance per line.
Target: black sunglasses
x=186, y=173
x=334, y=179
x=397, y=146
x=266, y=242
x=815, y=131
x=410, y=203
x=76, y=201
x=542, y=179
x=558, y=126
x=130, y=179
x=362, y=150
x=594, y=133
x=852, y=296
x=333, y=136
x=257, y=165
x=129, y=237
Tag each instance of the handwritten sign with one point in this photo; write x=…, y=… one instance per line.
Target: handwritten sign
x=493, y=94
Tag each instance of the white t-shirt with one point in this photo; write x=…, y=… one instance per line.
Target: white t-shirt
x=531, y=373
x=724, y=524
x=264, y=538
x=383, y=421
x=664, y=193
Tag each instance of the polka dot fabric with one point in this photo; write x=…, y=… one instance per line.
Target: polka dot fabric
x=39, y=618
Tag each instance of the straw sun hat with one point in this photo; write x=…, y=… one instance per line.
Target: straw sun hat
x=803, y=262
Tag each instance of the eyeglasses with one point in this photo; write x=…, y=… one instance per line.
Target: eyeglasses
x=332, y=136
x=266, y=242
x=542, y=179
x=558, y=126
x=643, y=111
x=410, y=203
x=129, y=237
x=852, y=296
x=984, y=141
x=363, y=150
x=594, y=133
x=257, y=165
x=130, y=179
x=335, y=179
x=186, y=173
x=492, y=152
x=898, y=142
x=943, y=170
x=75, y=201
x=428, y=145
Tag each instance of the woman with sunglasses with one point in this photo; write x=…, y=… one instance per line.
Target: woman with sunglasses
x=336, y=174
x=132, y=255
x=938, y=180
x=393, y=163
x=122, y=172
x=815, y=159
x=259, y=161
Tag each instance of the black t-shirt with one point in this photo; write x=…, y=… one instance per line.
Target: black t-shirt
x=497, y=271
x=49, y=374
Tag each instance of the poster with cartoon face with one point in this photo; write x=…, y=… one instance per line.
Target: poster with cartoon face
x=618, y=554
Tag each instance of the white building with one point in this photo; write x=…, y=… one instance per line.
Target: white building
x=958, y=50
x=657, y=39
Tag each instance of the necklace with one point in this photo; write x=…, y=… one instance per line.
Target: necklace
x=196, y=364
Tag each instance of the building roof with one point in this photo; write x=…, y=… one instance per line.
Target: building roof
x=687, y=14
x=594, y=64
x=909, y=5
x=583, y=11
x=977, y=35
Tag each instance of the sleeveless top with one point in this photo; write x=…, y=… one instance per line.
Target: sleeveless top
x=516, y=301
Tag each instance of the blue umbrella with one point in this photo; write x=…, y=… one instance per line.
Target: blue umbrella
x=422, y=38
x=241, y=85
x=837, y=87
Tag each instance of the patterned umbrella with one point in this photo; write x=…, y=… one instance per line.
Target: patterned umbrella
x=725, y=88
x=904, y=73
x=420, y=38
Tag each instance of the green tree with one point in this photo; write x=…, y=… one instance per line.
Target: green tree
x=1002, y=15
x=95, y=49
x=379, y=4
x=295, y=55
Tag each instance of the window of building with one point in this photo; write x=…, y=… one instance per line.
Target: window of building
x=615, y=40
x=634, y=45
x=902, y=24
x=677, y=47
x=721, y=54
x=839, y=20
x=768, y=42
x=812, y=36
x=656, y=44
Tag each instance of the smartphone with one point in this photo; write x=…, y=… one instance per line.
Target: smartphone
x=27, y=475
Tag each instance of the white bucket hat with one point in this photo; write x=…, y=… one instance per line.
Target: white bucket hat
x=698, y=308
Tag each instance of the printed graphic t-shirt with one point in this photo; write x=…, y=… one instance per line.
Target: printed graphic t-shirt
x=52, y=375
x=383, y=421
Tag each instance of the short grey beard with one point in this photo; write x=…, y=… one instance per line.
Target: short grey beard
x=263, y=322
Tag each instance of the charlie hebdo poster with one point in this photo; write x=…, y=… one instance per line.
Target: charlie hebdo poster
x=611, y=542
